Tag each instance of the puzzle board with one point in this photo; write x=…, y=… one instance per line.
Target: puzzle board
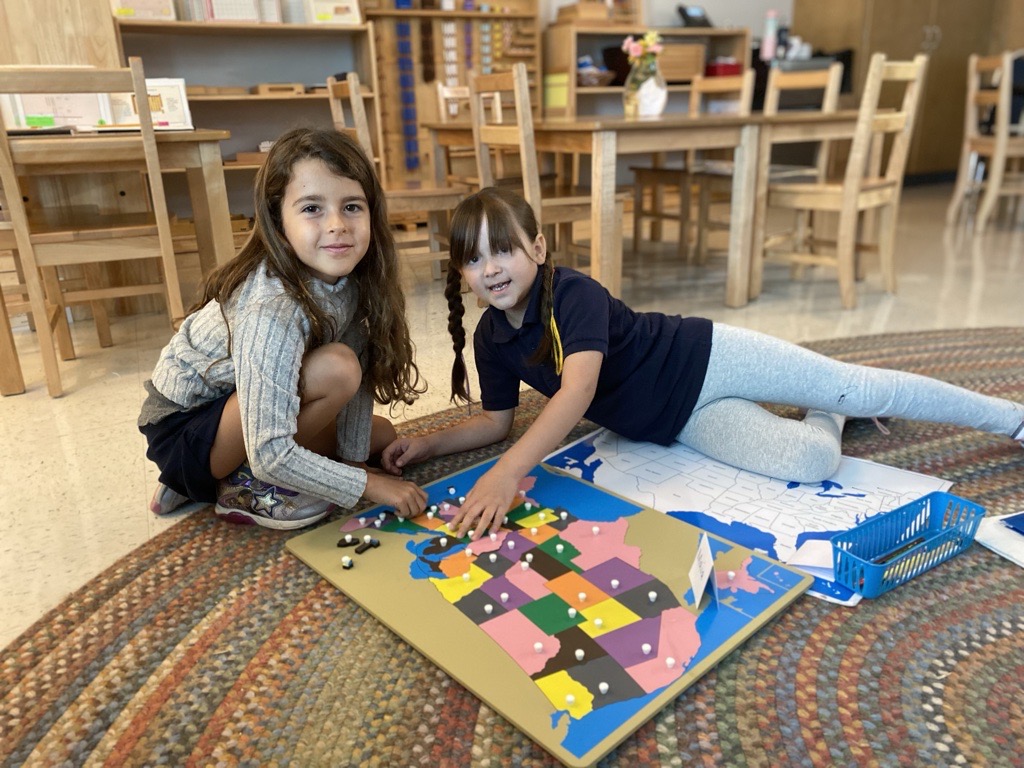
x=576, y=622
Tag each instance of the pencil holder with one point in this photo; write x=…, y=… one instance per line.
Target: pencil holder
x=892, y=548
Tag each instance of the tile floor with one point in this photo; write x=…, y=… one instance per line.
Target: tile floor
x=75, y=483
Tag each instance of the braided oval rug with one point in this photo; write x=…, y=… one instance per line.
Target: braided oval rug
x=212, y=645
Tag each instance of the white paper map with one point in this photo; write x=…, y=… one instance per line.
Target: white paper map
x=755, y=511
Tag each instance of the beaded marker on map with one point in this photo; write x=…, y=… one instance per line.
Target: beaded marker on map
x=346, y=562
x=602, y=687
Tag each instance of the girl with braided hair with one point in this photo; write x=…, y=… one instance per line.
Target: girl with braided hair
x=645, y=375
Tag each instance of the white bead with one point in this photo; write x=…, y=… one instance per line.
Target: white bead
x=579, y=654
x=572, y=613
x=465, y=576
x=444, y=541
x=533, y=531
x=346, y=560
x=615, y=583
x=731, y=575
x=559, y=548
x=511, y=545
x=451, y=490
x=494, y=537
x=646, y=648
x=570, y=699
x=596, y=529
x=488, y=609
x=524, y=565
x=582, y=596
x=652, y=595
x=529, y=557
x=504, y=597
x=670, y=662
x=492, y=557
x=367, y=538
x=602, y=687
x=599, y=623
x=538, y=647
x=563, y=514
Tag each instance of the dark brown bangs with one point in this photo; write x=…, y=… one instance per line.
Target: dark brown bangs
x=503, y=232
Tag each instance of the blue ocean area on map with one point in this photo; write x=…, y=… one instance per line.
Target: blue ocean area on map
x=575, y=457
x=741, y=533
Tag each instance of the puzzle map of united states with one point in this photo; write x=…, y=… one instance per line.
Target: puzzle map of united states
x=575, y=621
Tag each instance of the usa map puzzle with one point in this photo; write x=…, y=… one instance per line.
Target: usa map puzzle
x=576, y=621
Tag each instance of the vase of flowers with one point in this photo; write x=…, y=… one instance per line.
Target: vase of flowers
x=645, y=93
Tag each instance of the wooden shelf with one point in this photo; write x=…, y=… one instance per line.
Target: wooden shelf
x=234, y=28
x=192, y=98
x=460, y=15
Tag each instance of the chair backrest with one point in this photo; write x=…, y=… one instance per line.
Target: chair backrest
x=452, y=102
x=733, y=94
x=990, y=93
x=826, y=81
x=874, y=125
x=84, y=80
x=348, y=93
x=503, y=119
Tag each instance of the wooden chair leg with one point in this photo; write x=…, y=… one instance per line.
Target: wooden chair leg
x=99, y=309
x=887, y=245
x=658, y=208
x=638, y=215
x=963, y=181
x=703, y=220
x=992, y=187
x=846, y=246
x=51, y=286
x=11, y=380
x=684, y=216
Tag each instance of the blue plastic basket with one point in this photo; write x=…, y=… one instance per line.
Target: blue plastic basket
x=894, y=547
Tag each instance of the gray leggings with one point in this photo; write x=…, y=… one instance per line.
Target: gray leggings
x=747, y=367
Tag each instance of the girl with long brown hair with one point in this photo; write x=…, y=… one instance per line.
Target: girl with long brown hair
x=263, y=400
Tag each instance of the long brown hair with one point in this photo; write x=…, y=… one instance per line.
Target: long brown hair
x=511, y=224
x=391, y=373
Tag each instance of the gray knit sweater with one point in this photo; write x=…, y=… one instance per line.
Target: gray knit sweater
x=268, y=337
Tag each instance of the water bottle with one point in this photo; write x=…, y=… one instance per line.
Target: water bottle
x=770, y=38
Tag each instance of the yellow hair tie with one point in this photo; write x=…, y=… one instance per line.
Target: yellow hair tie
x=556, y=346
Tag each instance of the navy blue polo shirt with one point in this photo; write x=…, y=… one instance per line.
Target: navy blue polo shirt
x=653, y=367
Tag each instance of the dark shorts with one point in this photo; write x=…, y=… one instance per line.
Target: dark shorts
x=180, y=446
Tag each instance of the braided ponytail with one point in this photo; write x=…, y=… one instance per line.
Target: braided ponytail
x=456, y=311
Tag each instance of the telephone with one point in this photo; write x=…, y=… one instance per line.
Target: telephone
x=694, y=16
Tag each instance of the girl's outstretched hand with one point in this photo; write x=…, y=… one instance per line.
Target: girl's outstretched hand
x=403, y=452
x=486, y=504
x=407, y=498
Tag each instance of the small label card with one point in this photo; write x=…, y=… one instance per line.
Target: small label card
x=701, y=570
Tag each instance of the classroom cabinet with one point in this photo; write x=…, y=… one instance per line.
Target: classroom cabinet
x=256, y=80
x=687, y=52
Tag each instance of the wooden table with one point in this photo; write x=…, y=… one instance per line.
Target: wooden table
x=196, y=152
x=605, y=138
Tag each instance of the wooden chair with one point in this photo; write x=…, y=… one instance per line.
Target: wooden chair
x=503, y=120
x=989, y=134
x=48, y=238
x=865, y=186
x=706, y=94
x=433, y=203
x=453, y=107
x=818, y=90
